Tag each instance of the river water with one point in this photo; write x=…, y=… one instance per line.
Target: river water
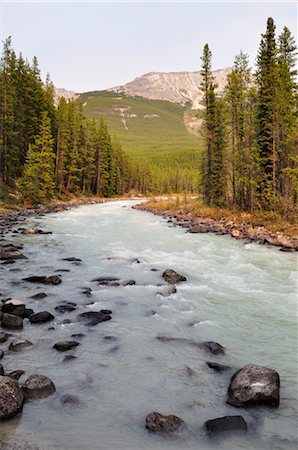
x=242, y=296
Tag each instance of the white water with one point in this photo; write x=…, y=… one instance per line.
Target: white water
x=242, y=296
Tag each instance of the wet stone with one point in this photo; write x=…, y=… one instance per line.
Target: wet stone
x=65, y=346
x=41, y=317
x=156, y=422
x=11, y=398
x=38, y=386
x=226, y=423
x=19, y=344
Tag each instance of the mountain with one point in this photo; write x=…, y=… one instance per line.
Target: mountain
x=180, y=87
x=60, y=92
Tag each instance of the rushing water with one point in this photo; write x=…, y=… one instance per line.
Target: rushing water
x=242, y=296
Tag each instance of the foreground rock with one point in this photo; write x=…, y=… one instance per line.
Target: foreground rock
x=64, y=346
x=157, y=422
x=18, y=344
x=92, y=318
x=38, y=386
x=172, y=277
x=11, y=398
x=41, y=317
x=225, y=423
x=53, y=279
x=254, y=385
x=11, y=322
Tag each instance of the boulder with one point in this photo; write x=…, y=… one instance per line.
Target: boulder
x=225, y=423
x=254, y=385
x=11, y=322
x=92, y=318
x=41, y=317
x=157, y=422
x=11, y=398
x=18, y=344
x=22, y=312
x=172, y=277
x=64, y=346
x=38, y=386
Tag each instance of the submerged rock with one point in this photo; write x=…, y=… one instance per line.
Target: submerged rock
x=157, y=422
x=225, y=423
x=11, y=398
x=11, y=322
x=93, y=317
x=172, y=277
x=64, y=346
x=217, y=367
x=53, y=279
x=38, y=386
x=72, y=259
x=254, y=385
x=39, y=296
x=212, y=347
x=18, y=344
x=4, y=337
x=1, y=353
x=66, y=307
x=41, y=317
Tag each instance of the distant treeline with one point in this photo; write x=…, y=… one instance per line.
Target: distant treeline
x=47, y=150
x=250, y=155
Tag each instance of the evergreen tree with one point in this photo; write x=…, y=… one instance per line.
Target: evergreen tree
x=37, y=183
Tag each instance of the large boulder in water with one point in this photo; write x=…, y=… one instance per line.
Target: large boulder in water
x=38, y=386
x=157, y=422
x=254, y=385
x=172, y=277
x=11, y=398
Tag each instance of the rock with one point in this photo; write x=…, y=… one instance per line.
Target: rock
x=1, y=353
x=129, y=283
x=64, y=346
x=68, y=307
x=217, y=367
x=10, y=252
x=1, y=370
x=237, y=234
x=106, y=311
x=225, y=423
x=11, y=305
x=11, y=322
x=172, y=277
x=39, y=296
x=68, y=399
x=38, y=386
x=107, y=281
x=35, y=231
x=22, y=312
x=53, y=279
x=16, y=374
x=41, y=317
x=3, y=337
x=157, y=422
x=18, y=344
x=199, y=228
x=212, y=347
x=78, y=335
x=92, y=318
x=11, y=398
x=287, y=249
x=254, y=385
x=71, y=259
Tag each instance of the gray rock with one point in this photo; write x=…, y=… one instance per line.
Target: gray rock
x=11, y=398
x=38, y=386
x=217, y=367
x=172, y=277
x=254, y=385
x=53, y=279
x=4, y=337
x=1, y=353
x=157, y=422
x=64, y=346
x=92, y=318
x=11, y=322
x=18, y=344
x=41, y=317
x=225, y=423
x=212, y=347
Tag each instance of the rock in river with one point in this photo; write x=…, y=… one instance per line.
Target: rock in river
x=64, y=346
x=157, y=422
x=217, y=367
x=11, y=398
x=225, y=423
x=11, y=322
x=3, y=337
x=93, y=317
x=53, y=279
x=172, y=277
x=38, y=386
x=18, y=344
x=254, y=385
x=41, y=317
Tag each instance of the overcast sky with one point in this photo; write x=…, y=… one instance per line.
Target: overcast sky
x=95, y=45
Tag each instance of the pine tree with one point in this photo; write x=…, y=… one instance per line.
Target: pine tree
x=37, y=183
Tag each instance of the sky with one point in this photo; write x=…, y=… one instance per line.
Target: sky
x=96, y=45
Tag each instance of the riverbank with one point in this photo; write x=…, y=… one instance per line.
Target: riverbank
x=196, y=218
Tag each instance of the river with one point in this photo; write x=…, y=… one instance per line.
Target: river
x=242, y=296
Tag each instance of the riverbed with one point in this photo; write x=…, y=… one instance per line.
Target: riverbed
x=241, y=295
